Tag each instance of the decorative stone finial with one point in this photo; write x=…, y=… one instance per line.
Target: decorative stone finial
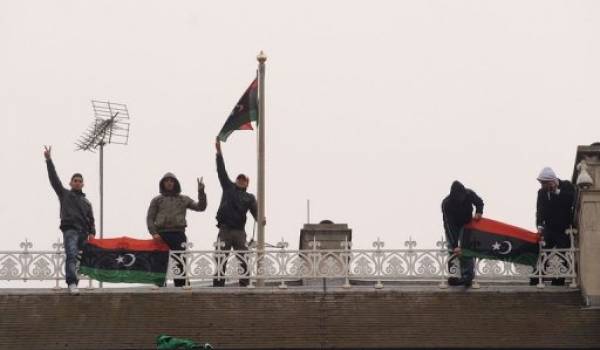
x=282, y=244
x=261, y=57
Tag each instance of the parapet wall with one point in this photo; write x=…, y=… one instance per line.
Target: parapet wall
x=232, y=318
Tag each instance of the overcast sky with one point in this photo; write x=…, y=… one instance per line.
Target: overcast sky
x=373, y=107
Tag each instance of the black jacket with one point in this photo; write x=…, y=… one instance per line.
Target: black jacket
x=457, y=211
x=235, y=202
x=75, y=210
x=555, y=211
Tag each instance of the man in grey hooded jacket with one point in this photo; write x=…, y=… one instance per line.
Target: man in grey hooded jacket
x=166, y=215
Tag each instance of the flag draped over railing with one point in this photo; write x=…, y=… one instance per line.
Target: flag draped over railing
x=125, y=260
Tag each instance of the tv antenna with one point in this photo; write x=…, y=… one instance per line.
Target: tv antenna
x=111, y=125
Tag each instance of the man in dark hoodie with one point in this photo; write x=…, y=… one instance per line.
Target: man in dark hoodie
x=231, y=216
x=166, y=215
x=76, y=218
x=554, y=214
x=457, y=210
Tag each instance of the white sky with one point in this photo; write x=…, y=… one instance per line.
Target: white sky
x=373, y=107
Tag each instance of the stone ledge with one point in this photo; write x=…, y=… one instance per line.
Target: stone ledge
x=395, y=287
x=230, y=318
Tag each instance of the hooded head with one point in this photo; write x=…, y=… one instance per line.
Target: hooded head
x=547, y=174
x=458, y=192
x=548, y=179
x=169, y=185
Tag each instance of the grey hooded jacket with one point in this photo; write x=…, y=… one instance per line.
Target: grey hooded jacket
x=167, y=210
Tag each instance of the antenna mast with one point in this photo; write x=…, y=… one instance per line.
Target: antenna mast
x=111, y=125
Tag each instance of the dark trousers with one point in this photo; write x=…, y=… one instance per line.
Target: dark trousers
x=467, y=267
x=555, y=239
x=467, y=264
x=174, y=239
x=230, y=238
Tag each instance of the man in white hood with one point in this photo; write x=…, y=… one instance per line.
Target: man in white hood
x=554, y=215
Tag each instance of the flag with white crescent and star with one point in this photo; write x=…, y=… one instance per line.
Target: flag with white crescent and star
x=243, y=114
x=490, y=239
x=125, y=260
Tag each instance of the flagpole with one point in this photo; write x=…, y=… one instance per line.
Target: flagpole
x=261, y=58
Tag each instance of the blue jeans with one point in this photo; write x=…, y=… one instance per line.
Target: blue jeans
x=73, y=241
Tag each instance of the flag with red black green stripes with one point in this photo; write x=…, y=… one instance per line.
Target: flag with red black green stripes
x=125, y=260
x=490, y=239
x=244, y=112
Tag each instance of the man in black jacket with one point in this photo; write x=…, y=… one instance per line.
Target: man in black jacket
x=231, y=217
x=457, y=211
x=554, y=214
x=76, y=218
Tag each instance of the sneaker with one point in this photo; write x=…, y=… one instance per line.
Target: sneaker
x=73, y=289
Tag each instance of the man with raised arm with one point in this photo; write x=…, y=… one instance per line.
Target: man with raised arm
x=166, y=216
x=231, y=216
x=76, y=218
x=457, y=211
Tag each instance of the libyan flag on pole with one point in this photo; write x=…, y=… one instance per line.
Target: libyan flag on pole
x=125, y=260
x=489, y=239
x=244, y=112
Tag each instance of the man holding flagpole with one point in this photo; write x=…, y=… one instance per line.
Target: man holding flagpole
x=250, y=108
x=231, y=217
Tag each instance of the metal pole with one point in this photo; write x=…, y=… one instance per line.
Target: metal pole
x=261, y=163
x=101, y=197
x=101, y=189
x=102, y=143
x=308, y=211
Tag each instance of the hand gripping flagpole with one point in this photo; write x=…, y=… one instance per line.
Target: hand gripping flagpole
x=261, y=166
